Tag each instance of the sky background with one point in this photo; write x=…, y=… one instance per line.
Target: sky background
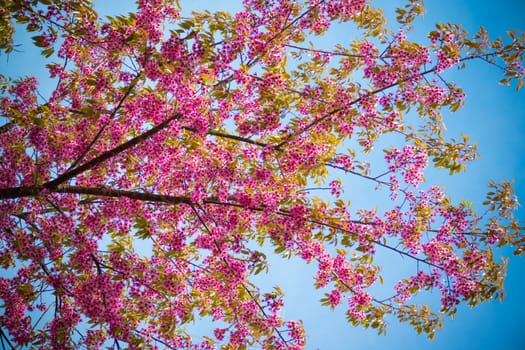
x=494, y=116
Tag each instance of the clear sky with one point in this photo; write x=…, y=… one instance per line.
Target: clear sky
x=494, y=116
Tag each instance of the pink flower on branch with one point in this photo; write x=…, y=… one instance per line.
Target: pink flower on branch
x=144, y=190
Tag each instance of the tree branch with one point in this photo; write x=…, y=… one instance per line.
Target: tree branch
x=6, y=127
x=109, y=192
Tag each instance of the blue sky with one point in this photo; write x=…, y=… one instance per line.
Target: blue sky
x=494, y=116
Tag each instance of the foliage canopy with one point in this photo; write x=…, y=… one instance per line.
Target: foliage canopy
x=207, y=136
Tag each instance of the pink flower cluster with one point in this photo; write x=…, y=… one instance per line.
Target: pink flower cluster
x=135, y=195
x=409, y=161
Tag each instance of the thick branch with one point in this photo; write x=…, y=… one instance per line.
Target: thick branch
x=109, y=192
x=19, y=192
x=6, y=127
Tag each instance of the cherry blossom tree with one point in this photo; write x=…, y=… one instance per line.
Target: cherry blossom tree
x=145, y=190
